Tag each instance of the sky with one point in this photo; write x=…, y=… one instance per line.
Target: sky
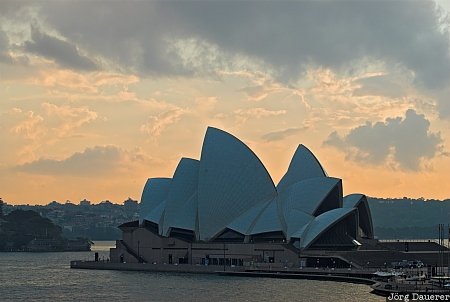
x=98, y=96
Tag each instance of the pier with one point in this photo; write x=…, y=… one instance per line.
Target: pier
x=357, y=276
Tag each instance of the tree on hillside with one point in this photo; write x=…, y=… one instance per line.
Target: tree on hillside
x=20, y=227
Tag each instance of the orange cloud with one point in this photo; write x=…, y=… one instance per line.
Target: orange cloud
x=157, y=123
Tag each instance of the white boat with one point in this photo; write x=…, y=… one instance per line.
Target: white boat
x=416, y=278
x=386, y=274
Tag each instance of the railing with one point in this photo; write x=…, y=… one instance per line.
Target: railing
x=409, y=240
x=132, y=252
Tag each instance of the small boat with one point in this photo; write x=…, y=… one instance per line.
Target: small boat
x=416, y=278
x=385, y=274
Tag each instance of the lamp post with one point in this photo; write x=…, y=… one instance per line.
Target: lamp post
x=190, y=254
x=224, y=267
x=300, y=258
x=139, y=257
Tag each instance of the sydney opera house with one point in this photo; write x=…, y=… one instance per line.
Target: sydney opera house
x=225, y=209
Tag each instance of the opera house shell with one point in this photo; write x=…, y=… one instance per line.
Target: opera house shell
x=228, y=196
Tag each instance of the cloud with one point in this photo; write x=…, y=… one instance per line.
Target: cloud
x=283, y=40
x=68, y=118
x=266, y=87
x=30, y=127
x=330, y=34
x=9, y=7
x=242, y=115
x=44, y=126
x=158, y=123
x=288, y=36
x=263, y=88
x=257, y=93
x=4, y=45
x=405, y=142
x=98, y=160
x=134, y=37
x=107, y=79
x=443, y=96
x=62, y=52
x=379, y=85
x=55, y=122
x=335, y=140
x=282, y=134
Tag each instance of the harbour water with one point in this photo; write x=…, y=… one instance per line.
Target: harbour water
x=47, y=277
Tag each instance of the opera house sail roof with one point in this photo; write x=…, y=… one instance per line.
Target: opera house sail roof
x=228, y=195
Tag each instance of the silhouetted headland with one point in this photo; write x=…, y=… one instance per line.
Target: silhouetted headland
x=27, y=231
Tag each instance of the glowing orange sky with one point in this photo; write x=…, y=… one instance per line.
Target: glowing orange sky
x=82, y=116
